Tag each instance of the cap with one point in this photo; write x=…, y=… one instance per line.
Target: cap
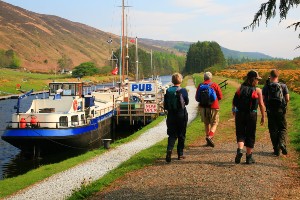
x=253, y=74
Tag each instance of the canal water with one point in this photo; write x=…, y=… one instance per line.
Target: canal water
x=12, y=163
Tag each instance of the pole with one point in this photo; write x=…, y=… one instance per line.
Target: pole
x=123, y=53
x=137, y=61
x=127, y=56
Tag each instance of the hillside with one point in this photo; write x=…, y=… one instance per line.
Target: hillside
x=183, y=47
x=41, y=40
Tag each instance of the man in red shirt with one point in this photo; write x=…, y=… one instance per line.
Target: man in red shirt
x=210, y=114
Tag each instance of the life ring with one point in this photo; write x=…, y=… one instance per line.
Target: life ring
x=75, y=104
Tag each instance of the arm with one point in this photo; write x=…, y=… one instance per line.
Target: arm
x=261, y=105
x=234, y=100
x=218, y=91
x=185, y=96
x=287, y=98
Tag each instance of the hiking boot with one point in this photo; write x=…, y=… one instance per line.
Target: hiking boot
x=283, y=149
x=181, y=157
x=238, y=156
x=276, y=152
x=168, y=157
x=249, y=159
x=210, y=142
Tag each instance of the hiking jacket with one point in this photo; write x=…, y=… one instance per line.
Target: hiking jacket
x=217, y=89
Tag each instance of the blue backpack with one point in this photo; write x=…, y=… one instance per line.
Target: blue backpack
x=206, y=95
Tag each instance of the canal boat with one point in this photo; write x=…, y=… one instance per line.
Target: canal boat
x=68, y=119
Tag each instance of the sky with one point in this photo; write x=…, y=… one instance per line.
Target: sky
x=221, y=21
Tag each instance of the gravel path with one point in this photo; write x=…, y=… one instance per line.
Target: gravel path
x=210, y=173
x=63, y=184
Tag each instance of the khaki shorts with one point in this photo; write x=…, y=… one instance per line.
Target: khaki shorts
x=209, y=115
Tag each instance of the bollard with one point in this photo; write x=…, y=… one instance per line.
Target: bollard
x=106, y=143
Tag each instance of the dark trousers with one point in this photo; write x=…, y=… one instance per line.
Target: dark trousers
x=245, y=127
x=176, y=128
x=278, y=128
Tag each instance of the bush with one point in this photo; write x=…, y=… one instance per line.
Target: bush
x=85, y=69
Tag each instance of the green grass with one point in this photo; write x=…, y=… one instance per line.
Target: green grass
x=294, y=120
x=38, y=82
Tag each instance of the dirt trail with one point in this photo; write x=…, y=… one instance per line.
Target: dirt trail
x=210, y=173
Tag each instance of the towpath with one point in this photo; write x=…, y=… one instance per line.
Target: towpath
x=210, y=173
x=62, y=185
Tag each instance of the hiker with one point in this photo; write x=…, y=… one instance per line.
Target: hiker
x=175, y=100
x=244, y=108
x=208, y=95
x=276, y=97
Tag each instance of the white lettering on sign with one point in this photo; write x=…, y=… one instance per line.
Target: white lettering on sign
x=150, y=108
x=142, y=87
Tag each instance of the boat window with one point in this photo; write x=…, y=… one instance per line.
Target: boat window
x=69, y=89
x=82, y=118
x=74, y=120
x=54, y=88
x=63, y=121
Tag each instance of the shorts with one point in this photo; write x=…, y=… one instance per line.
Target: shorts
x=209, y=115
x=245, y=126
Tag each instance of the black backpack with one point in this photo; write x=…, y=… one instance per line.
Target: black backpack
x=275, y=97
x=243, y=100
x=174, y=98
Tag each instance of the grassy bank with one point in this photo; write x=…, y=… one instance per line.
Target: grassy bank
x=38, y=82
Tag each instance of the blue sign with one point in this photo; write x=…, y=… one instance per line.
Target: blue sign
x=142, y=87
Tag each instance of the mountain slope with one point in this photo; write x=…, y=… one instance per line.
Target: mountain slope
x=40, y=40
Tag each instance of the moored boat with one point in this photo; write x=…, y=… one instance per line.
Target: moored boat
x=68, y=119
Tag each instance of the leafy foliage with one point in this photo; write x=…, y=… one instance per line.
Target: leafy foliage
x=9, y=59
x=85, y=69
x=268, y=10
x=162, y=63
x=202, y=55
x=65, y=63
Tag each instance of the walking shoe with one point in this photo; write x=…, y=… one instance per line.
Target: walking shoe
x=238, y=156
x=249, y=159
x=168, y=157
x=210, y=142
x=283, y=149
x=181, y=157
x=276, y=152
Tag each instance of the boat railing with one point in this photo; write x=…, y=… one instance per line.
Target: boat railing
x=39, y=124
x=137, y=110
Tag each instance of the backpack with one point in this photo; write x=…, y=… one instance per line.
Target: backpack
x=175, y=100
x=275, y=98
x=243, y=99
x=206, y=95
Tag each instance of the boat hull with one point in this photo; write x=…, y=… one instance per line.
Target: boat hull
x=46, y=141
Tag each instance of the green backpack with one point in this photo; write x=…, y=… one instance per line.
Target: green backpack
x=174, y=99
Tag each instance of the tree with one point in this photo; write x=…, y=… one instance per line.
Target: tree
x=85, y=69
x=202, y=55
x=64, y=63
x=268, y=10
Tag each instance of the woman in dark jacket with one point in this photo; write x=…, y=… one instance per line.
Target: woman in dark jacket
x=175, y=100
